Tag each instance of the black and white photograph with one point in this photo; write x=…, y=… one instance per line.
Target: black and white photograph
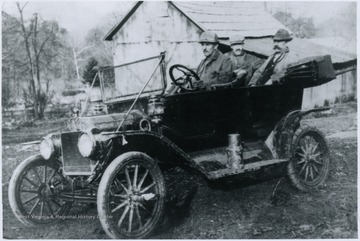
x=179, y=119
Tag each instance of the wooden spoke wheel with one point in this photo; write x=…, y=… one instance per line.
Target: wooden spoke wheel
x=33, y=190
x=131, y=196
x=309, y=165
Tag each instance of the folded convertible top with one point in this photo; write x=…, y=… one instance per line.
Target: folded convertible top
x=310, y=72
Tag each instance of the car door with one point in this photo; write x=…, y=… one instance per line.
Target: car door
x=230, y=110
x=189, y=115
x=267, y=105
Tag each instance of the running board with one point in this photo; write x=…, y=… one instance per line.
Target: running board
x=247, y=168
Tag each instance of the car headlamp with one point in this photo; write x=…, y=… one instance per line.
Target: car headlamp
x=87, y=144
x=155, y=106
x=159, y=110
x=47, y=148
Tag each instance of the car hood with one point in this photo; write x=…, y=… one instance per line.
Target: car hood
x=108, y=122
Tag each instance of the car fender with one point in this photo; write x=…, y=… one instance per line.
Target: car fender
x=280, y=138
x=158, y=147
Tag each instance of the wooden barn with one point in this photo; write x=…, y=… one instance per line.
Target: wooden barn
x=149, y=28
x=175, y=27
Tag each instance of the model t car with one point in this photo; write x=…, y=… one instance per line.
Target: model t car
x=117, y=160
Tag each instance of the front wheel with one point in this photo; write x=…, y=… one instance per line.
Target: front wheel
x=33, y=192
x=310, y=161
x=131, y=196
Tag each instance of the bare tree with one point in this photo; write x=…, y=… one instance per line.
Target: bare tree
x=13, y=67
x=77, y=57
x=102, y=50
x=26, y=36
x=41, y=43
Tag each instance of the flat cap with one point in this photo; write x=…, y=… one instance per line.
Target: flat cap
x=209, y=37
x=237, y=39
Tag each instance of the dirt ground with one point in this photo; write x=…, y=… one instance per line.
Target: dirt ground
x=250, y=212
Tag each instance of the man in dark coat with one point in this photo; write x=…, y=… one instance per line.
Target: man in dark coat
x=243, y=64
x=273, y=70
x=216, y=68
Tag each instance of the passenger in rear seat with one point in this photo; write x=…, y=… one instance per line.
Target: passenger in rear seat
x=273, y=70
x=244, y=64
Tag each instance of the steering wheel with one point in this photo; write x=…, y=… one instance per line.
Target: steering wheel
x=184, y=81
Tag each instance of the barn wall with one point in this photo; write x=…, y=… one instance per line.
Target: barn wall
x=154, y=27
x=341, y=88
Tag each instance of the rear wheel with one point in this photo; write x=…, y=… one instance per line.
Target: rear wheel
x=33, y=190
x=310, y=162
x=131, y=196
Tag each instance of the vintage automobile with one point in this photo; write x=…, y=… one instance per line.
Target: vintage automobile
x=117, y=160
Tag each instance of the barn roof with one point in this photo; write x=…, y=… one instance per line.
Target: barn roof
x=228, y=18
x=347, y=44
x=225, y=18
x=117, y=27
x=303, y=47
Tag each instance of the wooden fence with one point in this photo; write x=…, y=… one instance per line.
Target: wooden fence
x=26, y=115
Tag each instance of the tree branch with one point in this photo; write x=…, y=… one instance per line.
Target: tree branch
x=43, y=43
x=84, y=48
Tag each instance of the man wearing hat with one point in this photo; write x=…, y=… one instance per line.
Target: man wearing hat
x=216, y=68
x=243, y=64
x=275, y=66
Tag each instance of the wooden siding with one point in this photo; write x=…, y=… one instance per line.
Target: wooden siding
x=155, y=27
x=344, y=86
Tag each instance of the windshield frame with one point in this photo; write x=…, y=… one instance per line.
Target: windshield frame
x=127, y=97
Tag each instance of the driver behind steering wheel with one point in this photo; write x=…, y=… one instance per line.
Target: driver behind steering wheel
x=216, y=68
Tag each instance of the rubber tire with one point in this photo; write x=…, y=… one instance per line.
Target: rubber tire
x=14, y=201
x=292, y=173
x=102, y=196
